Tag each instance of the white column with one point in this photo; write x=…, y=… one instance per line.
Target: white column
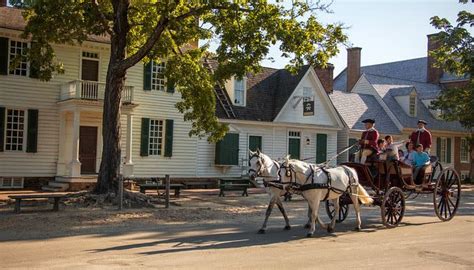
x=128, y=166
x=75, y=163
x=61, y=167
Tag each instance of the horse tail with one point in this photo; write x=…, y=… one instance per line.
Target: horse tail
x=363, y=195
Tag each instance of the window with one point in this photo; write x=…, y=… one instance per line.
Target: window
x=158, y=81
x=294, y=145
x=17, y=48
x=239, y=92
x=15, y=130
x=412, y=105
x=11, y=182
x=155, y=137
x=442, y=149
x=227, y=150
x=255, y=142
x=464, y=175
x=464, y=151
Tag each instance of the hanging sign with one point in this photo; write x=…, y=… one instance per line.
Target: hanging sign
x=308, y=108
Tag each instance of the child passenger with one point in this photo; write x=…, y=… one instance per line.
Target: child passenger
x=420, y=159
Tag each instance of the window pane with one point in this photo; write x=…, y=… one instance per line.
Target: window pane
x=14, y=130
x=158, y=81
x=155, y=137
x=17, y=48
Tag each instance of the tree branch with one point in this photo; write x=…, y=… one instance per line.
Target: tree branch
x=103, y=18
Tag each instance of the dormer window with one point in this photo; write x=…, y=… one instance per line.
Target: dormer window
x=412, y=105
x=239, y=92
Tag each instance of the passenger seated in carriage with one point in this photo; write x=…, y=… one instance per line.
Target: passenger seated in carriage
x=420, y=159
x=408, y=158
x=368, y=141
x=392, y=148
x=381, y=151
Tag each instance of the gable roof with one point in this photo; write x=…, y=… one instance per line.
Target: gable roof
x=398, y=79
x=267, y=93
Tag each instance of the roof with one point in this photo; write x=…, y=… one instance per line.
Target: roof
x=11, y=18
x=354, y=108
x=267, y=93
x=399, y=79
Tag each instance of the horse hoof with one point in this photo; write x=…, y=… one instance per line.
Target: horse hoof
x=307, y=226
x=261, y=231
x=309, y=235
x=287, y=228
x=357, y=229
x=330, y=230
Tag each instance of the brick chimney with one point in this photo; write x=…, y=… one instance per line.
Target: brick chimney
x=3, y=3
x=353, y=67
x=433, y=74
x=326, y=75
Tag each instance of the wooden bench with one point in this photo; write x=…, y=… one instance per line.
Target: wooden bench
x=176, y=187
x=204, y=184
x=19, y=198
x=234, y=184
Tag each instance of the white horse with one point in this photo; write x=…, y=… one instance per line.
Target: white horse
x=261, y=165
x=302, y=173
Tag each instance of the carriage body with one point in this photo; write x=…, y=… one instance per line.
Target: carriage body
x=390, y=183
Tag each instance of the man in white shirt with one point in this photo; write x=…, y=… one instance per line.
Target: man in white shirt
x=392, y=148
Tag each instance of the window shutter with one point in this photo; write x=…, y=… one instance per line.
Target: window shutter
x=321, y=147
x=2, y=128
x=4, y=56
x=448, y=151
x=34, y=65
x=294, y=148
x=144, y=140
x=32, y=137
x=255, y=142
x=170, y=86
x=169, y=138
x=438, y=147
x=147, y=76
x=227, y=150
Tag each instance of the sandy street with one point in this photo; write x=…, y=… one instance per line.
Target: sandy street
x=207, y=232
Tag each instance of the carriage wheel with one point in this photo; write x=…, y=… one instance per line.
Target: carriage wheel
x=446, y=194
x=437, y=169
x=343, y=210
x=393, y=207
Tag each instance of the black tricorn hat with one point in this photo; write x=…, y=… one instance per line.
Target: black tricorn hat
x=422, y=121
x=368, y=121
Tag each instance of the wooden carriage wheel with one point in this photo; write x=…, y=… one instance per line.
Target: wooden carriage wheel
x=343, y=209
x=437, y=169
x=393, y=207
x=446, y=194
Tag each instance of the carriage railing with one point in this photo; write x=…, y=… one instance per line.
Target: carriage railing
x=91, y=90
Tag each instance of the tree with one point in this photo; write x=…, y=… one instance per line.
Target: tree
x=142, y=30
x=456, y=55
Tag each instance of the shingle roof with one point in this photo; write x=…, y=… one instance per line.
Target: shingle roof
x=11, y=18
x=398, y=79
x=267, y=93
x=354, y=108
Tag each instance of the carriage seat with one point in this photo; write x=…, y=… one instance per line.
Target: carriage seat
x=424, y=176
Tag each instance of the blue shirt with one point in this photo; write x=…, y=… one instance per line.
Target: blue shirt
x=420, y=159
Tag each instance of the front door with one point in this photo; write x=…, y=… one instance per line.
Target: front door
x=88, y=149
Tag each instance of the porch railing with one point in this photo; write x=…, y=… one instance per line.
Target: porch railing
x=90, y=90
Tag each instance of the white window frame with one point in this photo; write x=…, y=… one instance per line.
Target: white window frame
x=464, y=150
x=443, y=149
x=155, y=148
x=157, y=83
x=243, y=91
x=86, y=57
x=27, y=74
x=12, y=180
x=24, y=137
x=412, y=104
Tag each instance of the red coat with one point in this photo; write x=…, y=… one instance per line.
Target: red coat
x=372, y=136
x=424, y=138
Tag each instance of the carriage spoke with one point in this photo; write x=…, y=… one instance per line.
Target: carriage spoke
x=451, y=202
x=449, y=208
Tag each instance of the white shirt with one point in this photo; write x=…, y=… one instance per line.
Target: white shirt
x=394, y=147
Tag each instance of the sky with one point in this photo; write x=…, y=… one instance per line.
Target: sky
x=386, y=30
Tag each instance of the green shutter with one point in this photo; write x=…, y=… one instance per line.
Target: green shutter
x=144, y=140
x=294, y=148
x=170, y=86
x=321, y=147
x=169, y=138
x=255, y=142
x=34, y=65
x=147, y=76
x=4, y=56
x=227, y=150
x=32, y=132
x=448, y=151
x=438, y=147
x=2, y=127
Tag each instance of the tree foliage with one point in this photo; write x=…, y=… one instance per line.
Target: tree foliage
x=162, y=30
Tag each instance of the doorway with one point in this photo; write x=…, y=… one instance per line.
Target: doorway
x=88, y=149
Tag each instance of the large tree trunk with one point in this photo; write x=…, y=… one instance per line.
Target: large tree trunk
x=107, y=181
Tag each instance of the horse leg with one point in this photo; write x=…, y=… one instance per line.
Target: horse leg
x=336, y=213
x=308, y=224
x=355, y=202
x=283, y=212
x=314, y=202
x=267, y=214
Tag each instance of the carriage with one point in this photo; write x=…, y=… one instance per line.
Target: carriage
x=388, y=183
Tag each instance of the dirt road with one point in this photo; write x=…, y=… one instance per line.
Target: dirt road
x=208, y=232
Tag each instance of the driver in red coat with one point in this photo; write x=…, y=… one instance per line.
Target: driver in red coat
x=422, y=136
x=368, y=141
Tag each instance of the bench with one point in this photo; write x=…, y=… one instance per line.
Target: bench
x=204, y=184
x=19, y=198
x=176, y=187
x=233, y=184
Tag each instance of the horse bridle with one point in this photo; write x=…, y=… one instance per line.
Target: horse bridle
x=260, y=164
